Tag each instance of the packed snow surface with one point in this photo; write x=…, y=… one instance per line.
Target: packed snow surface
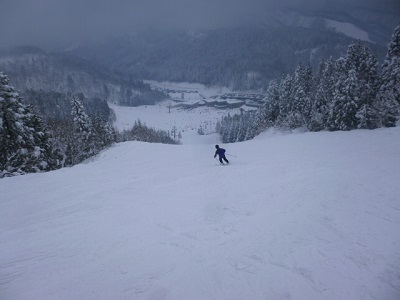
x=294, y=216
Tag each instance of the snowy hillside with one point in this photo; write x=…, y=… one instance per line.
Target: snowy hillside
x=296, y=216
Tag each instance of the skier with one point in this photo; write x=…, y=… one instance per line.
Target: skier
x=221, y=153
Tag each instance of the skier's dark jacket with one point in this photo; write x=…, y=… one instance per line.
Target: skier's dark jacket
x=220, y=152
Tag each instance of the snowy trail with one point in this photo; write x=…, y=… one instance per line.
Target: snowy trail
x=301, y=216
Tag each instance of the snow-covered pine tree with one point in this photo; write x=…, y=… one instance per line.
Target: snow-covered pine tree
x=140, y=132
x=143, y=134
x=389, y=109
x=251, y=130
x=323, y=98
x=367, y=116
x=286, y=98
x=389, y=91
x=242, y=128
x=233, y=129
x=225, y=127
x=50, y=157
x=254, y=124
x=365, y=64
x=81, y=120
x=266, y=116
x=104, y=134
x=345, y=103
x=299, y=113
x=269, y=111
x=81, y=143
x=24, y=146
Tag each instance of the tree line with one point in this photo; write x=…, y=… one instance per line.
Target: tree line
x=31, y=142
x=347, y=93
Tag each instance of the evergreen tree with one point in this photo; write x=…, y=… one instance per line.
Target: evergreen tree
x=104, y=134
x=48, y=155
x=286, y=99
x=233, y=130
x=82, y=124
x=242, y=128
x=24, y=141
x=345, y=94
x=140, y=132
x=323, y=98
x=225, y=128
x=300, y=107
x=389, y=92
x=389, y=108
x=345, y=104
x=269, y=112
x=81, y=141
x=259, y=122
x=360, y=59
x=266, y=116
x=252, y=126
x=367, y=116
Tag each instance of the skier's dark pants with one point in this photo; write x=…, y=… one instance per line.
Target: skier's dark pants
x=223, y=158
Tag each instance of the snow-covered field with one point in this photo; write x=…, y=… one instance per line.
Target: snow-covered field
x=186, y=121
x=294, y=216
x=168, y=117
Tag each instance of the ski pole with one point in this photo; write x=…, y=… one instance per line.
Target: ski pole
x=231, y=155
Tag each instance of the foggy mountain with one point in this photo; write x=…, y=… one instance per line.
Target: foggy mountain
x=246, y=55
x=31, y=68
x=241, y=58
x=228, y=43
x=50, y=24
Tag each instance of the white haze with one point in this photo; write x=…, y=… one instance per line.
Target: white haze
x=50, y=23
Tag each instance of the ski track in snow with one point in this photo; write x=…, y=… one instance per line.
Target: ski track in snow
x=295, y=216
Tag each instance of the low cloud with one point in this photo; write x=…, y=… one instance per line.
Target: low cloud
x=57, y=22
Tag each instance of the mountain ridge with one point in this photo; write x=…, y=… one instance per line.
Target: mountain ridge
x=242, y=58
x=32, y=68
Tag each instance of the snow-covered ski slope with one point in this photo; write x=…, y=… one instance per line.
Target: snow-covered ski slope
x=296, y=216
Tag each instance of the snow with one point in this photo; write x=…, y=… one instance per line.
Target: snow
x=19, y=124
x=348, y=29
x=186, y=121
x=168, y=116
x=36, y=151
x=294, y=216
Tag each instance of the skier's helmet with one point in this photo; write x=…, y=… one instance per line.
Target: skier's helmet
x=216, y=146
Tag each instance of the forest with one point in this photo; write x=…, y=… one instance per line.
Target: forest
x=351, y=92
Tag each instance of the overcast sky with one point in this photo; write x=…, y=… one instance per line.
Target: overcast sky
x=52, y=22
